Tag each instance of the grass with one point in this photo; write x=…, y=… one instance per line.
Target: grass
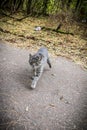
x=73, y=47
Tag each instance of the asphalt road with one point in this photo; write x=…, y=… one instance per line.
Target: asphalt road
x=59, y=102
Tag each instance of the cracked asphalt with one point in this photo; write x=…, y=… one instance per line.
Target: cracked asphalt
x=59, y=102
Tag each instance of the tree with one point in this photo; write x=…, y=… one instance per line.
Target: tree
x=29, y=2
x=68, y=3
x=78, y=4
x=45, y=3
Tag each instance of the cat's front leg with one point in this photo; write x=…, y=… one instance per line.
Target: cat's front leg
x=33, y=84
x=37, y=77
x=34, y=73
x=39, y=72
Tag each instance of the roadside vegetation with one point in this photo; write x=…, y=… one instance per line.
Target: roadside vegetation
x=63, y=26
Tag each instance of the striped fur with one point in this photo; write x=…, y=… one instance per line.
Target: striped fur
x=38, y=62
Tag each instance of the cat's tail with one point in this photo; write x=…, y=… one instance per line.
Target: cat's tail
x=49, y=63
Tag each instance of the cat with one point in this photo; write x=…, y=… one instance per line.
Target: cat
x=38, y=62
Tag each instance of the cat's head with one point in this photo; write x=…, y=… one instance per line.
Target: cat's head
x=35, y=60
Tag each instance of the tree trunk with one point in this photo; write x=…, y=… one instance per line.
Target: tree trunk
x=45, y=2
x=29, y=6
x=78, y=4
x=68, y=4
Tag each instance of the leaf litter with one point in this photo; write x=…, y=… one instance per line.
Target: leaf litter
x=73, y=47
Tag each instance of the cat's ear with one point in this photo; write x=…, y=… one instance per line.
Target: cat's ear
x=41, y=56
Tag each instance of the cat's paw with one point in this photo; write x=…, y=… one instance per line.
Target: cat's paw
x=33, y=85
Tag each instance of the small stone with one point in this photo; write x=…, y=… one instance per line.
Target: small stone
x=74, y=126
x=52, y=105
x=53, y=74
x=61, y=97
x=27, y=108
x=37, y=28
x=66, y=102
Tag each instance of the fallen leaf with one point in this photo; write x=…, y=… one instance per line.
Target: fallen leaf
x=53, y=74
x=52, y=105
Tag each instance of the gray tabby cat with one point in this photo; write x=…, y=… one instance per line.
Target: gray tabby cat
x=38, y=62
